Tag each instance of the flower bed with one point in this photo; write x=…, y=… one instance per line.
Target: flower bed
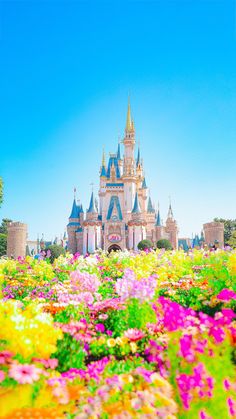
x=142, y=335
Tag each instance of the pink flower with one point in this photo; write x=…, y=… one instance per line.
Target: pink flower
x=134, y=334
x=100, y=327
x=226, y=295
x=24, y=373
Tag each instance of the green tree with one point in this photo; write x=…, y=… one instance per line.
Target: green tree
x=145, y=244
x=164, y=244
x=3, y=226
x=229, y=228
x=1, y=191
x=55, y=251
x=3, y=244
x=232, y=240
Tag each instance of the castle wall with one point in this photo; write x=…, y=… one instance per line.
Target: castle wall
x=214, y=231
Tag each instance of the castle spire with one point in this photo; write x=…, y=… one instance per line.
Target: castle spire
x=129, y=122
x=103, y=158
x=136, y=208
x=118, y=152
x=74, y=211
x=92, y=207
x=170, y=212
x=138, y=161
x=158, y=221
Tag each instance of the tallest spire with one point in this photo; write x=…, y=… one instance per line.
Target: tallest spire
x=129, y=124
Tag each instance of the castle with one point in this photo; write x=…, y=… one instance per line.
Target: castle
x=125, y=214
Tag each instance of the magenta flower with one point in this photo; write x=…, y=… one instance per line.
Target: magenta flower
x=24, y=373
x=226, y=295
x=100, y=327
x=134, y=334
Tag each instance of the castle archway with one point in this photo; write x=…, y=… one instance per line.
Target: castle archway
x=113, y=248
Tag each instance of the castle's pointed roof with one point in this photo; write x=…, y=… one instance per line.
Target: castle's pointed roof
x=150, y=207
x=114, y=204
x=103, y=172
x=138, y=160
x=158, y=220
x=129, y=124
x=92, y=207
x=74, y=211
x=118, y=152
x=136, y=208
x=170, y=212
x=144, y=185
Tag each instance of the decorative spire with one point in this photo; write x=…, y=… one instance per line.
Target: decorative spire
x=144, y=185
x=103, y=157
x=74, y=211
x=92, y=208
x=118, y=152
x=138, y=161
x=170, y=212
x=136, y=208
x=150, y=206
x=129, y=123
x=74, y=192
x=158, y=220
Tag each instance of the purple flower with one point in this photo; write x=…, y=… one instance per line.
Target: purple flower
x=226, y=295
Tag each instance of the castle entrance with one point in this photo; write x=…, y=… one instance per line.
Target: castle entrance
x=113, y=248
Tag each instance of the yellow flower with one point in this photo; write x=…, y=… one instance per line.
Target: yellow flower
x=111, y=343
x=101, y=340
x=121, y=341
x=133, y=347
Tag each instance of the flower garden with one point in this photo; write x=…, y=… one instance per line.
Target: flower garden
x=145, y=335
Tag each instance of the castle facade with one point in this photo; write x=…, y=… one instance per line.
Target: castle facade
x=124, y=214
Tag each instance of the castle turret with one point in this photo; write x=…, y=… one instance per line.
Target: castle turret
x=16, y=239
x=73, y=225
x=172, y=228
x=158, y=227
x=136, y=226
x=214, y=233
x=92, y=228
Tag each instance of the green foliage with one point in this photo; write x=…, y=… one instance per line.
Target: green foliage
x=145, y=244
x=232, y=240
x=135, y=315
x=229, y=228
x=3, y=244
x=1, y=191
x=70, y=354
x=55, y=250
x=164, y=244
x=3, y=226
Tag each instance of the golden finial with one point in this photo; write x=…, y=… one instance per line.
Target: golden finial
x=103, y=158
x=129, y=123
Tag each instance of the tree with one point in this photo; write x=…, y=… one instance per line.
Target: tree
x=229, y=228
x=3, y=244
x=145, y=244
x=232, y=240
x=164, y=244
x=3, y=226
x=55, y=251
x=1, y=191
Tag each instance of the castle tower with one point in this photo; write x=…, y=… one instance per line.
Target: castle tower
x=136, y=226
x=172, y=228
x=214, y=233
x=92, y=239
x=158, y=227
x=129, y=177
x=73, y=226
x=16, y=239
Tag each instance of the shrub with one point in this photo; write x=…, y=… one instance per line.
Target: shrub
x=145, y=244
x=55, y=251
x=164, y=244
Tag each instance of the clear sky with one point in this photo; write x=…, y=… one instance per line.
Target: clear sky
x=66, y=68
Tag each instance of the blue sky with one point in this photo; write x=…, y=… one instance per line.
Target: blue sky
x=66, y=68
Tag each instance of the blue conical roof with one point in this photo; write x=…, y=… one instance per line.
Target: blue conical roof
x=92, y=207
x=103, y=171
x=136, y=208
x=74, y=211
x=138, y=158
x=118, y=152
x=150, y=206
x=158, y=221
x=144, y=185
